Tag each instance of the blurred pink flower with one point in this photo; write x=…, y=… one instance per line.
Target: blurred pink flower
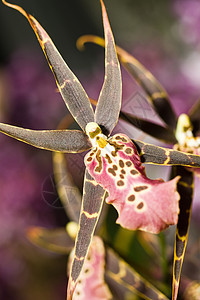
x=189, y=13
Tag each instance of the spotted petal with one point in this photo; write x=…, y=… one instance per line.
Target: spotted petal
x=70, y=141
x=142, y=203
x=91, y=284
x=70, y=88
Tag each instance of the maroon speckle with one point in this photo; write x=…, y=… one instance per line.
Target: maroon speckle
x=131, y=198
x=140, y=188
x=140, y=205
x=120, y=183
x=128, y=163
x=134, y=172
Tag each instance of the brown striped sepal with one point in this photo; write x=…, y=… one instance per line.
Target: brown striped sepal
x=185, y=189
x=151, y=154
x=67, y=141
x=109, y=102
x=93, y=197
x=192, y=150
x=125, y=282
x=194, y=113
x=157, y=131
x=91, y=283
x=68, y=192
x=156, y=93
x=70, y=88
x=115, y=164
x=74, y=141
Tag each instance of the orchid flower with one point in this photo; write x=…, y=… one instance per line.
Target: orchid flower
x=179, y=131
x=114, y=274
x=105, y=275
x=117, y=158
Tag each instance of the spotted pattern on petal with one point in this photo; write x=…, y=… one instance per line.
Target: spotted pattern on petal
x=99, y=167
x=91, y=284
x=142, y=203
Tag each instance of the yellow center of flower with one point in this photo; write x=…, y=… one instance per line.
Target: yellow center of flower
x=184, y=134
x=97, y=138
x=183, y=129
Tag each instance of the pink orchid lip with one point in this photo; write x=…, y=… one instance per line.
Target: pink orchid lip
x=142, y=203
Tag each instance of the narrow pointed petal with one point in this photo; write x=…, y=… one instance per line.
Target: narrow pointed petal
x=70, y=88
x=123, y=279
x=109, y=102
x=194, y=112
x=93, y=197
x=164, y=134
x=151, y=154
x=68, y=192
x=69, y=141
x=194, y=115
x=142, y=203
x=156, y=93
x=91, y=284
x=185, y=189
x=55, y=240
